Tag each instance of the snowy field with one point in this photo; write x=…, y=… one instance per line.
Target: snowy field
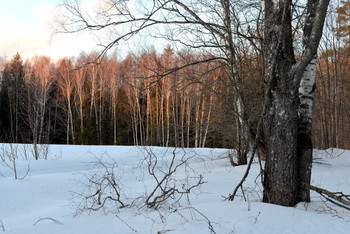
x=56, y=197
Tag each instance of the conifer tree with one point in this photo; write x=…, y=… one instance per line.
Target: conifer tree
x=14, y=84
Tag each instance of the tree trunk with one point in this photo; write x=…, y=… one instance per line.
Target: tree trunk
x=280, y=174
x=208, y=120
x=306, y=95
x=287, y=164
x=305, y=146
x=238, y=105
x=188, y=121
x=280, y=120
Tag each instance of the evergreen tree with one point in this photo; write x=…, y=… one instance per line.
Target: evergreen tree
x=14, y=87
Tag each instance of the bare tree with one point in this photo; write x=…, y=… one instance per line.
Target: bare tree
x=9, y=153
x=114, y=90
x=331, y=107
x=39, y=80
x=287, y=119
x=215, y=27
x=65, y=72
x=210, y=31
x=80, y=94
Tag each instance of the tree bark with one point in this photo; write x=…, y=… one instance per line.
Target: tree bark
x=287, y=163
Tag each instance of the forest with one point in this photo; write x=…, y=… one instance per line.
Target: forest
x=225, y=83
x=134, y=101
x=154, y=97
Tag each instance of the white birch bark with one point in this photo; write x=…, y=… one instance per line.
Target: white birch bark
x=182, y=112
x=208, y=121
x=188, y=121
x=306, y=92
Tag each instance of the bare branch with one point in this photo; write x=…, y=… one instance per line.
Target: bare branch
x=312, y=43
x=338, y=198
x=48, y=218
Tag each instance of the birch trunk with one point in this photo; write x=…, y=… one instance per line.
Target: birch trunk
x=167, y=107
x=175, y=116
x=208, y=121
x=148, y=113
x=196, y=135
x=305, y=147
x=306, y=96
x=182, y=113
x=79, y=89
x=188, y=121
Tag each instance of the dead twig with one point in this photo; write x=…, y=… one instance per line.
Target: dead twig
x=2, y=226
x=103, y=188
x=337, y=198
x=210, y=224
x=48, y=218
x=168, y=187
x=131, y=228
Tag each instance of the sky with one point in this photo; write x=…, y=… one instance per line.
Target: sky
x=26, y=29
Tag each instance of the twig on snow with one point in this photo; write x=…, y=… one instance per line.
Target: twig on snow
x=48, y=218
x=2, y=226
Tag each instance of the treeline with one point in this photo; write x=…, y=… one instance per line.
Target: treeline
x=147, y=100
x=142, y=100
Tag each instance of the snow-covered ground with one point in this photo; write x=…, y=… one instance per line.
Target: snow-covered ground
x=46, y=201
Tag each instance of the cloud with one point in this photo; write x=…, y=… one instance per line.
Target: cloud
x=38, y=38
x=35, y=36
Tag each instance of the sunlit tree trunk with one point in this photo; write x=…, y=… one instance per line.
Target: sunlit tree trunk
x=207, y=120
x=79, y=84
x=66, y=85
x=182, y=113
x=188, y=120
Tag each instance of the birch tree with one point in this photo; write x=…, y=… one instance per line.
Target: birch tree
x=39, y=81
x=287, y=118
x=214, y=28
x=211, y=25
x=80, y=95
x=66, y=82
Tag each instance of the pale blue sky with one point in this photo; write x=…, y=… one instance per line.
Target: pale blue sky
x=21, y=10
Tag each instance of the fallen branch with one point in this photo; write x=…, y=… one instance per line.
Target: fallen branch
x=337, y=198
x=48, y=218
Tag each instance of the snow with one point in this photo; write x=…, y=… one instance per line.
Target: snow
x=45, y=201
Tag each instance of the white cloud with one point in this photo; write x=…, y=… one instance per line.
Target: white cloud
x=37, y=38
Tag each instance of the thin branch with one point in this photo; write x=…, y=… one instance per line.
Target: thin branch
x=338, y=198
x=48, y=218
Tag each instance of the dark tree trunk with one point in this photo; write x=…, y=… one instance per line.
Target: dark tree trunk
x=287, y=130
x=280, y=177
x=281, y=117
